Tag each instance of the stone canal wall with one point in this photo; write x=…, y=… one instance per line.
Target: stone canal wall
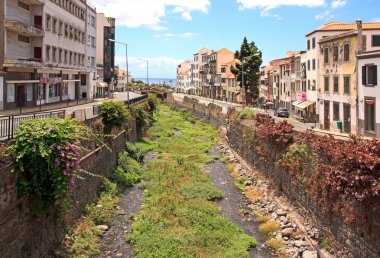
x=24, y=235
x=362, y=240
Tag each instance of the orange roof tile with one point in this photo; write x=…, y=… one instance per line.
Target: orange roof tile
x=342, y=26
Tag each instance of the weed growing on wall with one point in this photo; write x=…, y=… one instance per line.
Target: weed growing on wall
x=113, y=114
x=47, y=158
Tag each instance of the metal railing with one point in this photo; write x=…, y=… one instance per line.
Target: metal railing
x=8, y=124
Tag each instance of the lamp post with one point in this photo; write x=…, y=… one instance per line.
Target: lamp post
x=126, y=61
x=147, y=69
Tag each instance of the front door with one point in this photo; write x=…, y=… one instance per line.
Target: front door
x=327, y=115
x=347, y=118
x=20, y=95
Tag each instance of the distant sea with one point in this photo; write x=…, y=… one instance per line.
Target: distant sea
x=171, y=82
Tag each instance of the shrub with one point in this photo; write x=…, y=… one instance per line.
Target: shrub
x=275, y=243
x=153, y=102
x=142, y=117
x=269, y=227
x=47, y=159
x=113, y=114
x=86, y=239
x=134, y=151
x=245, y=113
x=262, y=218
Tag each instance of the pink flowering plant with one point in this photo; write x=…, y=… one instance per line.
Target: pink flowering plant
x=47, y=159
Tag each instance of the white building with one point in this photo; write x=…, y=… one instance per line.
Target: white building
x=44, y=52
x=90, y=89
x=197, y=70
x=184, y=78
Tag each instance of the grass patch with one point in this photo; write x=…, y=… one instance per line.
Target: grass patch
x=275, y=243
x=87, y=239
x=263, y=218
x=178, y=217
x=269, y=227
x=231, y=167
x=225, y=160
x=252, y=193
x=239, y=182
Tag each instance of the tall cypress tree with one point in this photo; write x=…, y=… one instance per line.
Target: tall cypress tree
x=252, y=58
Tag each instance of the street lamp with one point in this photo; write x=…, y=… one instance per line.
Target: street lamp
x=147, y=69
x=126, y=61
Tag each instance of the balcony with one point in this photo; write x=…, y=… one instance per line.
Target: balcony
x=23, y=27
x=14, y=61
x=35, y=2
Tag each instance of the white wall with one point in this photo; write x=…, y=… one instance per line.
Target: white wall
x=368, y=34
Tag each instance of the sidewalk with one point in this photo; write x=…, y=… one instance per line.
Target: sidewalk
x=47, y=107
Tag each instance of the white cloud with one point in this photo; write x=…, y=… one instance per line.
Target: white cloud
x=271, y=4
x=159, y=67
x=137, y=13
x=338, y=4
x=185, y=35
x=326, y=15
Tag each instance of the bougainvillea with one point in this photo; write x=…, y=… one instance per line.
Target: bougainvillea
x=280, y=133
x=47, y=158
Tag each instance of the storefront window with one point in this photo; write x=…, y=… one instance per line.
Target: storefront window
x=29, y=92
x=65, y=86
x=10, y=93
x=54, y=90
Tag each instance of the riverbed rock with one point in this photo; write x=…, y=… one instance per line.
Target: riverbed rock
x=287, y=232
x=310, y=254
x=300, y=243
x=102, y=227
x=281, y=212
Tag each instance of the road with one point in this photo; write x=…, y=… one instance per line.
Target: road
x=297, y=124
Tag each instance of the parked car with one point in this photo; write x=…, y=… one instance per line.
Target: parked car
x=281, y=112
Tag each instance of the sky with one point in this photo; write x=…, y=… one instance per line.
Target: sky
x=167, y=32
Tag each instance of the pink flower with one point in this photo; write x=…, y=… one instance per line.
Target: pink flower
x=59, y=147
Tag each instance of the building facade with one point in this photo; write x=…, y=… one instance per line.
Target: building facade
x=197, y=76
x=90, y=89
x=184, y=78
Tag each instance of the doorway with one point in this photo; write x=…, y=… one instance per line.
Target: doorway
x=326, y=115
x=20, y=95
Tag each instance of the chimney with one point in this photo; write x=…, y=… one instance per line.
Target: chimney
x=359, y=24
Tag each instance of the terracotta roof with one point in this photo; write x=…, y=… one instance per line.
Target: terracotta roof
x=224, y=51
x=342, y=26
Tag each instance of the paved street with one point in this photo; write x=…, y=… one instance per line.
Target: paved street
x=297, y=124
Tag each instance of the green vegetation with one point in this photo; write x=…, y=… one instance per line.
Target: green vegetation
x=262, y=218
x=178, y=218
x=245, y=113
x=47, y=157
x=86, y=237
x=240, y=182
x=153, y=102
x=113, y=114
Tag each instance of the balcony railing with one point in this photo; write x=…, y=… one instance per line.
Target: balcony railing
x=18, y=24
x=16, y=61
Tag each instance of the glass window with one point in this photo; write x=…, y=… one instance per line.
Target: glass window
x=327, y=85
x=313, y=64
x=369, y=116
x=347, y=84
x=308, y=44
x=369, y=75
x=336, y=84
x=346, y=50
x=11, y=90
x=313, y=43
x=29, y=92
x=336, y=53
x=376, y=40
x=326, y=55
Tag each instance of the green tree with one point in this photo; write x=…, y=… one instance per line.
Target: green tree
x=251, y=57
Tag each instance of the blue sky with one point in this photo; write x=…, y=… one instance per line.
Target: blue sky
x=168, y=31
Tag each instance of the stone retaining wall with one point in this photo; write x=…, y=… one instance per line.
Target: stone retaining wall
x=23, y=235
x=362, y=241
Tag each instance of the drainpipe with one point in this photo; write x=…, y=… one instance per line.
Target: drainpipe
x=360, y=48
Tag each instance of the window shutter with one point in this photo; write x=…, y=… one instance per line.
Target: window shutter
x=364, y=75
x=374, y=75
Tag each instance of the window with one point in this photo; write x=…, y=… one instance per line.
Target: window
x=83, y=80
x=223, y=70
x=223, y=80
x=346, y=80
x=336, y=84
x=376, y=40
x=314, y=85
x=23, y=39
x=88, y=40
x=11, y=92
x=336, y=111
x=308, y=65
x=29, y=92
x=47, y=53
x=308, y=84
x=313, y=43
x=48, y=22
x=24, y=6
x=346, y=52
x=92, y=61
x=336, y=53
x=308, y=44
x=54, y=26
x=60, y=28
x=369, y=75
x=313, y=64
x=54, y=57
x=369, y=113
x=93, y=21
x=71, y=57
x=60, y=56
x=66, y=30
x=327, y=84
x=326, y=55
x=93, y=41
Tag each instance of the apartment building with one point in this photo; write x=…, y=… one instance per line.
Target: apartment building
x=197, y=75
x=90, y=89
x=231, y=90
x=123, y=79
x=184, y=78
x=215, y=60
x=43, y=52
x=105, y=54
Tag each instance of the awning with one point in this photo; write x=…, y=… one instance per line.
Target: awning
x=305, y=104
x=101, y=84
x=295, y=103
